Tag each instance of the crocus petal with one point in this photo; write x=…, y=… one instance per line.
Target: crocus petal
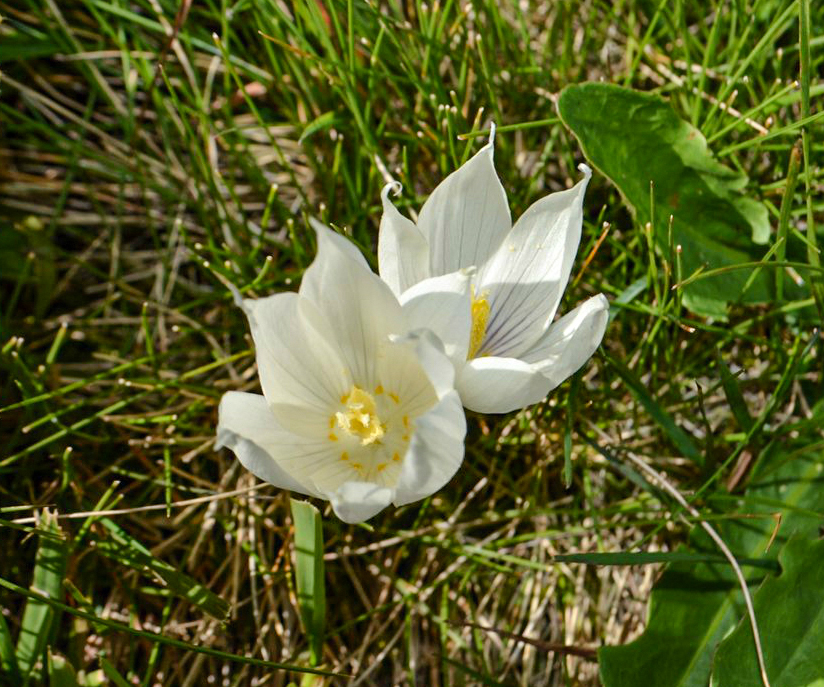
x=403, y=252
x=466, y=217
x=526, y=277
x=359, y=307
x=295, y=363
x=435, y=452
x=444, y=306
x=247, y=427
x=571, y=341
x=500, y=385
x=354, y=502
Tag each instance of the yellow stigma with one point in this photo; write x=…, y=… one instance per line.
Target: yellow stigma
x=480, y=315
x=360, y=419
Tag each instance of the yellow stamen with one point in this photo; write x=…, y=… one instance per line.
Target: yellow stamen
x=344, y=455
x=394, y=397
x=405, y=419
x=333, y=436
x=379, y=389
x=381, y=467
x=396, y=457
x=480, y=315
x=360, y=418
x=357, y=466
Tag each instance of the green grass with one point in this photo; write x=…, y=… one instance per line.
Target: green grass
x=148, y=153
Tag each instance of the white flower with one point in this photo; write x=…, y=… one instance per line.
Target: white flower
x=356, y=408
x=507, y=350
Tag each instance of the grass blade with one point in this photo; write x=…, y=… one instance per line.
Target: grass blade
x=309, y=578
x=678, y=436
x=38, y=617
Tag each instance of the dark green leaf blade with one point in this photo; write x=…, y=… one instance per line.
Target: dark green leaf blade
x=636, y=138
x=38, y=617
x=790, y=612
x=693, y=607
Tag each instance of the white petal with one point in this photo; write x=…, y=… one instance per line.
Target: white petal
x=500, y=385
x=526, y=277
x=297, y=363
x=418, y=363
x=466, y=217
x=403, y=253
x=247, y=427
x=355, y=502
x=571, y=341
x=435, y=452
x=360, y=308
x=444, y=306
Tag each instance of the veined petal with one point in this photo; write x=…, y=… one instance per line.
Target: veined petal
x=435, y=452
x=527, y=275
x=571, y=341
x=354, y=502
x=500, y=385
x=444, y=306
x=403, y=252
x=247, y=427
x=360, y=308
x=297, y=365
x=466, y=217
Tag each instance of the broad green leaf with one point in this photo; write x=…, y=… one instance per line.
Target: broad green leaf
x=38, y=617
x=61, y=672
x=694, y=606
x=637, y=138
x=790, y=612
x=309, y=575
x=125, y=549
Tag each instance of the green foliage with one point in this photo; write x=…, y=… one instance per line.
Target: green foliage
x=693, y=607
x=790, y=610
x=126, y=550
x=309, y=576
x=663, y=168
x=39, y=617
x=144, y=162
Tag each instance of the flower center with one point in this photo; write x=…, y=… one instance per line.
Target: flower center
x=360, y=419
x=480, y=315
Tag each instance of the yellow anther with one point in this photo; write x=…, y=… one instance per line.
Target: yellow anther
x=405, y=421
x=333, y=436
x=357, y=466
x=360, y=418
x=405, y=437
x=379, y=389
x=332, y=422
x=381, y=467
x=394, y=397
x=396, y=457
x=344, y=455
x=480, y=315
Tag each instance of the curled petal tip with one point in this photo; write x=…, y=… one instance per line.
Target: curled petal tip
x=585, y=170
x=394, y=186
x=492, y=128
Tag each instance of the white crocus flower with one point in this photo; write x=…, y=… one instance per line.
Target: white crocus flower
x=515, y=354
x=356, y=408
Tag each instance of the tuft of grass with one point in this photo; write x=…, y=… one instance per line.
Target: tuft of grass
x=151, y=150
